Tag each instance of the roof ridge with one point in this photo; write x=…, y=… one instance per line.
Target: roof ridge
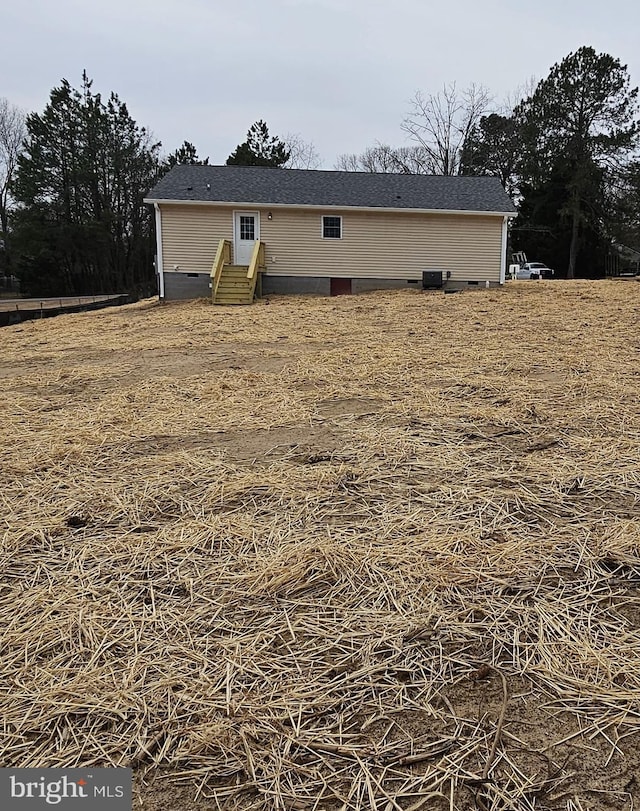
x=356, y=172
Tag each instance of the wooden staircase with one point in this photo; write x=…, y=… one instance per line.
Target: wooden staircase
x=235, y=284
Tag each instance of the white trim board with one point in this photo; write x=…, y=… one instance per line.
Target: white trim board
x=159, y=260
x=503, y=244
x=254, y=205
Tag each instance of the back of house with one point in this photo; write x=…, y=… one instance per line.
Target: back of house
x=329, y=232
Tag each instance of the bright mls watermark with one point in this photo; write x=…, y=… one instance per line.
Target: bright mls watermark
x=65, y=789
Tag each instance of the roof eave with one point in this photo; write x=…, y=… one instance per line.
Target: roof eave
x=314, y=207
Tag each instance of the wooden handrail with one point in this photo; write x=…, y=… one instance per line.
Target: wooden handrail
x=223, y=257
x=257, y=260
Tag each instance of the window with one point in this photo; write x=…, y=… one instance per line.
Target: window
x=332, y=227
x=247, y=228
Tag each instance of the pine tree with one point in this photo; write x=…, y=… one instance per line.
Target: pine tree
x=260, y=149
x=83, y=227
x=578, y=122
x=185, y=155
x=492, y=148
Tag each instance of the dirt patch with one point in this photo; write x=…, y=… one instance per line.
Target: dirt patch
x=255, y=445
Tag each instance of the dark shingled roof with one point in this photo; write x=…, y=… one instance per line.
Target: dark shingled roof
x=262, y=185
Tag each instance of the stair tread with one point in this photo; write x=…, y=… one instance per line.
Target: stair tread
x=244, y=282
x=232, y=294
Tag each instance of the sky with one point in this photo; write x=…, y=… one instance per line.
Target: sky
x=340, y=73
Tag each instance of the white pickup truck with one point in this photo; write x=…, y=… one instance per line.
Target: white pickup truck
x=521, y=269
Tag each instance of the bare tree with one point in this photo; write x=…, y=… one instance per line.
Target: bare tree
x=412, y=160
x=303, y=154
x=12, y=134
x=440, y=124
x=517, y=95
x=382, y=158
x=348, y=162
x=379, y=158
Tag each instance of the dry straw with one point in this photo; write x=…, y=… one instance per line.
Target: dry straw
x=369, y=552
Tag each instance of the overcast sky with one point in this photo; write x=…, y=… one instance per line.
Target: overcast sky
x=339, y=72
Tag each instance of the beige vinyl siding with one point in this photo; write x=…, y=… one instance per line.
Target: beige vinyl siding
x=374, y=245
x=386, y=245
x=190, y=236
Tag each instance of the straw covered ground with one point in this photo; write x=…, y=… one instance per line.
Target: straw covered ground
x=371, y=552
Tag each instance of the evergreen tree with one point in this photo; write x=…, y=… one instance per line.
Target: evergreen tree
x=187, y=154
x=493, y=148
x=260, y=149
x=82, y=226
x=578, y=122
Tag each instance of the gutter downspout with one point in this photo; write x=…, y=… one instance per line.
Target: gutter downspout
x=160, y=265
x=503, y=260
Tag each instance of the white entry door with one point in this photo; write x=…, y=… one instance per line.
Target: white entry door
x=246, y=230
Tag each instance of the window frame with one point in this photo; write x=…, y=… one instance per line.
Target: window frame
x=322, y=226
x=247, y=216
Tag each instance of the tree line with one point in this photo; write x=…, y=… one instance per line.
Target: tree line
x=73, y=177
x=566, y=151
x=72, y=183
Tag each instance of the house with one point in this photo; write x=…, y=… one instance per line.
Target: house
x=325, y=232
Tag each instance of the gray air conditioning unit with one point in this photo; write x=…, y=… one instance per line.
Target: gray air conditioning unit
x=432, y=279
